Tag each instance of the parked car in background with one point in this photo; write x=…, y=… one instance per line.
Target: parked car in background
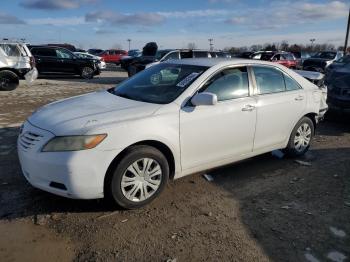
x=338, y=63
x=113, y=55
x=173, y=119
x=95, y=51
x=16, y=62
x=283, y=58
x=134, y=53
x=138, y=65
x=300, y=56
x=101, y=64
x=58, y=60
x=338, y=85
x=246, y=55
x=66, y=46
x=321, y=60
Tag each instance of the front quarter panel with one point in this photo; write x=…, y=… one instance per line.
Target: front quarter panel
x=163, y=126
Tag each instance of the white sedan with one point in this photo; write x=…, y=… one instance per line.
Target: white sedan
x=101, y=64
x=171, y=120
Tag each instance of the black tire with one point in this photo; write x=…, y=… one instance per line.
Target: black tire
x=8, y=80
x=113, y=188
x=291, y=149
x=87, y=72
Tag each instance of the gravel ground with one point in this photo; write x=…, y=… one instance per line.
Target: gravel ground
x=261, y=209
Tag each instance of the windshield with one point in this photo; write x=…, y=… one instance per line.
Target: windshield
x=161, y=53
x=325, y=55
x=160, y=84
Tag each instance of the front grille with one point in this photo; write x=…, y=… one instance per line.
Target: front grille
x=28, y=139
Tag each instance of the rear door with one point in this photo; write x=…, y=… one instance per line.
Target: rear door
x=46, y=59
x=280, y=104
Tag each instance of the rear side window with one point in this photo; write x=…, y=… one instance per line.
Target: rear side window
x=291, y=84
x=269, y=80
x=44, y=52
x=229, y=84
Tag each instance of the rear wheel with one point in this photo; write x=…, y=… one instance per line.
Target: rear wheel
x=138, y=178
x=87, y=72
x=300, y=139
x=8, y=80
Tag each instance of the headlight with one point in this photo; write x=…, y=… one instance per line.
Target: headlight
x=73, y=143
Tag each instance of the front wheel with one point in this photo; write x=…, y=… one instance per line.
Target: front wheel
x=300, y=139
x=138, y=178
x=87, y=72
x=8, y=80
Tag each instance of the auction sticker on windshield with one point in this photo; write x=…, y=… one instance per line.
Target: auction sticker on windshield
x=184, y=82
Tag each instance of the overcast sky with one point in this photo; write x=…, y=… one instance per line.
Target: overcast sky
x=173, y=24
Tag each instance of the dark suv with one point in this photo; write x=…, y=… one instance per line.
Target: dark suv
x=138, y=64
x=58, y=60
x=321, y=60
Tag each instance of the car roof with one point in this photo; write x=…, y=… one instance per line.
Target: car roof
x=210, y=62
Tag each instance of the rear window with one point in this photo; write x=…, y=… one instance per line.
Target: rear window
x=10, y=49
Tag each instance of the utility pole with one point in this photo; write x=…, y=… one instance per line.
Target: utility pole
x=347, y=35
x=211, y=45
x=129, y=40
x=312, y=40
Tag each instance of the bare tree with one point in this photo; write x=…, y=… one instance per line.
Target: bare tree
x=192, y=45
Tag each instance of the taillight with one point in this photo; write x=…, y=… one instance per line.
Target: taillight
x=102, y=59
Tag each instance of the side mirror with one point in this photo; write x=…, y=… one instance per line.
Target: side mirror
x=204, y=99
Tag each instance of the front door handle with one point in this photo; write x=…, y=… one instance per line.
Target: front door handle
x=299, y=98
x=248, y=108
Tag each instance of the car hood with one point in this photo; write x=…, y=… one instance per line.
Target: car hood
x=78, y=115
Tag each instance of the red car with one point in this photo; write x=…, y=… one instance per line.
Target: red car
x=284, y=58
x=113, y=55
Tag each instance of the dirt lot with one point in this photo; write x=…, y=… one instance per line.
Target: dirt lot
x=262, y=209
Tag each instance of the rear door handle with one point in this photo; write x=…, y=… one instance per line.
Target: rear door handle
x=248, y=108
x=299, y=98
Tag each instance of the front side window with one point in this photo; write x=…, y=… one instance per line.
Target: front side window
x=229, y=84
x=63, y=54
x=269, y=80
x=159, y=84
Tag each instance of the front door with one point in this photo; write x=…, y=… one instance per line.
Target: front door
x=210, y=134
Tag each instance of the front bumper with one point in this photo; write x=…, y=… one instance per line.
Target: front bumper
x=78, y=174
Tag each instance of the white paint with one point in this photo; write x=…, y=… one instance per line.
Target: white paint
x=200, y=138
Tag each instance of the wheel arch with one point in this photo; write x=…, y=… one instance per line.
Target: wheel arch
x=162, y=147
x=312, y=116
x=11, y=70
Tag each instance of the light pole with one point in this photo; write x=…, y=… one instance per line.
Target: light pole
x=312, y=40
x=211, y=45
x=129, y=40
x=347, y=35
